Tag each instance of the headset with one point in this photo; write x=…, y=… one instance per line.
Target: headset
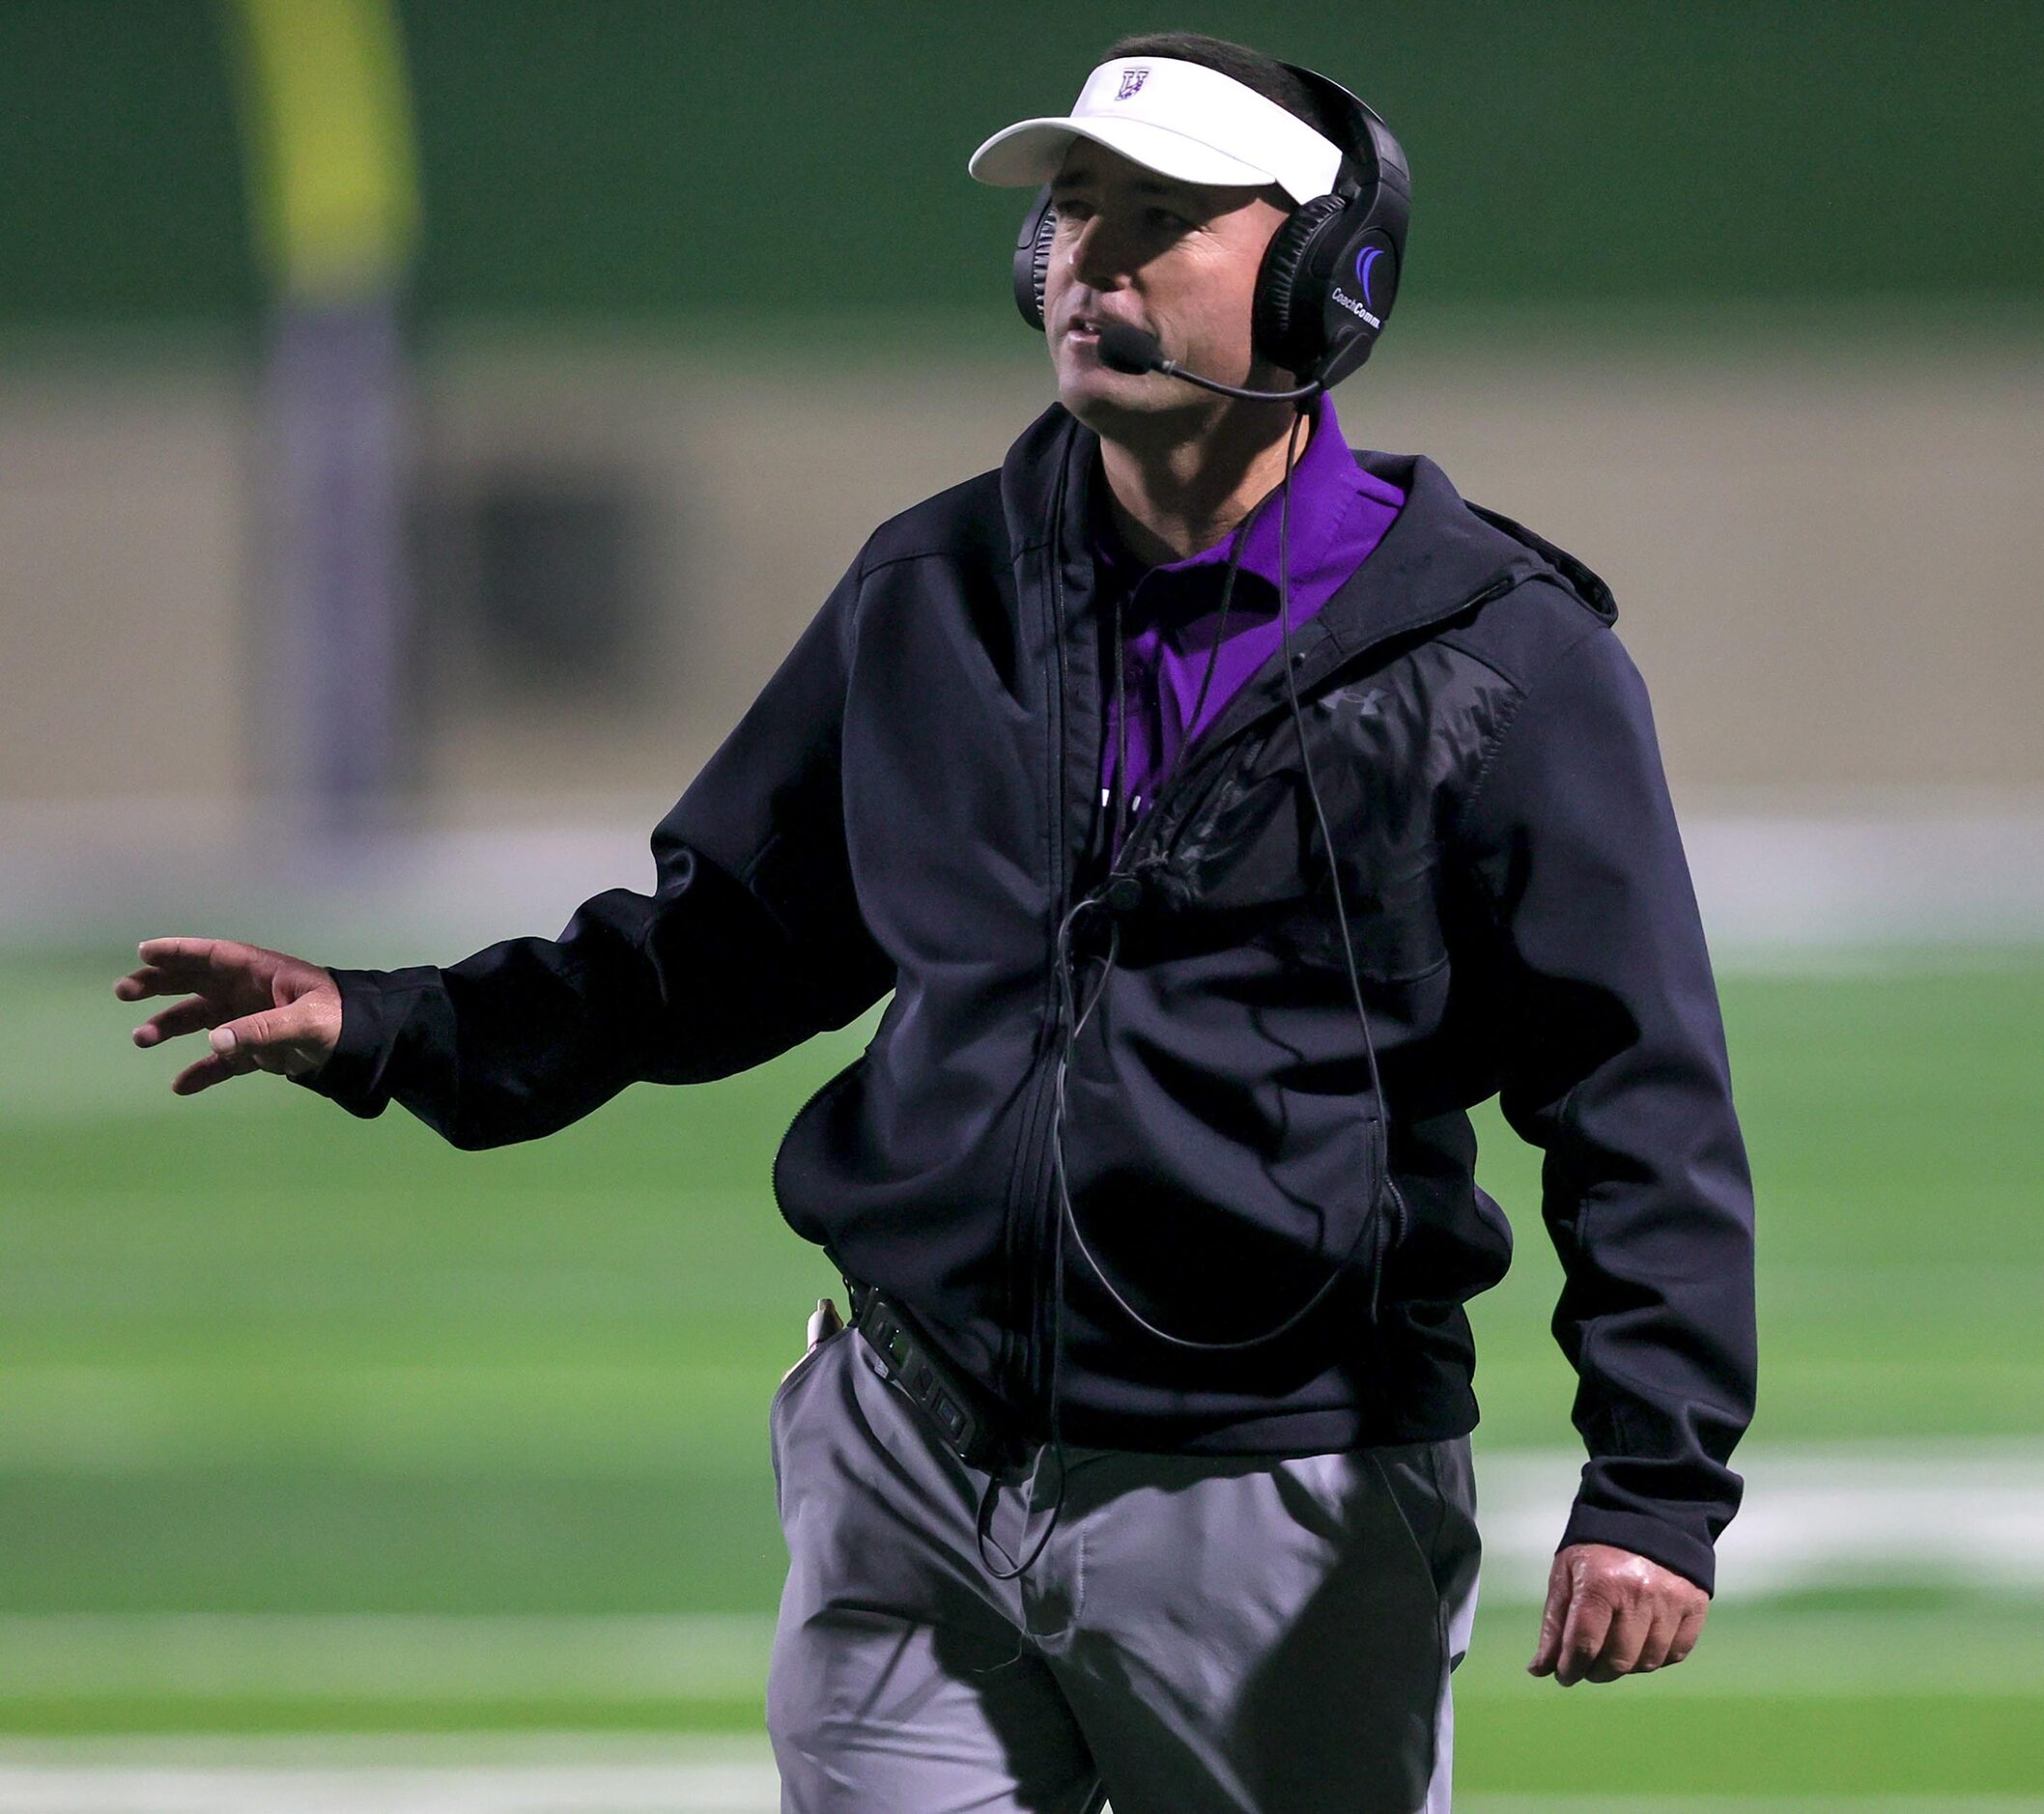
x=1307, y=323
x=1330, y=273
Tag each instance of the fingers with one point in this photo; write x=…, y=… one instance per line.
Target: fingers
x=186, y=1016
x=1583, y=1636
x=1660, y=1635
x=148, y=980
x=1622, y=1615
x=210, y=1070
x=173, y=953
x=186, y=964
x=266, y=1012
x=253, y=1044
x=256, y=1001
x=1552, y=1618
x=1625, y=1638
x=1687, y=1634
x=169, y=964
x=284, y=1040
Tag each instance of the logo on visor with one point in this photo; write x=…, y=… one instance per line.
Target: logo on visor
x=1131, y=81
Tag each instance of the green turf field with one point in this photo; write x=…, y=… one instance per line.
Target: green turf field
x=445, y=1441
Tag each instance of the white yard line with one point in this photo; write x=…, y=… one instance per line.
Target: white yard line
x=1959, y=1513
x=396, y=1656
x=564, y=1773
x=675, y=1789
x=536, y=1774
x=596, y=1773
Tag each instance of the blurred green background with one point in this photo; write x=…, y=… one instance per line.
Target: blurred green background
x=643, y=160
x=314, y=1427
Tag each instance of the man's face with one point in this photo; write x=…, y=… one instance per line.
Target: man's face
x=1176, y=259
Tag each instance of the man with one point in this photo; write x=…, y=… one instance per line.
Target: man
x=1180, y=832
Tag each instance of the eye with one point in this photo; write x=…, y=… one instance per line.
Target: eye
x=1071, y=208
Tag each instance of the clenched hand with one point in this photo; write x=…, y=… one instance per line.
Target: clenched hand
x=267, y=1011
x=1610, y=1613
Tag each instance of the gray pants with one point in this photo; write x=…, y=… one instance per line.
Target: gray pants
x=1200, y=1633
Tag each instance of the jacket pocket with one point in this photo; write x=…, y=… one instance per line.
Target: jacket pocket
x=802, y=1366
x=778, y=1408
x=1394, y=924
x=1251, y=864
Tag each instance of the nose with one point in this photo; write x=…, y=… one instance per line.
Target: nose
x=1094, y=257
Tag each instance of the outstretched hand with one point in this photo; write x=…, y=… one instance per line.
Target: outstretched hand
x=1610, y=1613
x=266, y=1011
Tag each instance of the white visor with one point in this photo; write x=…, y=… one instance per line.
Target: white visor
x=1179, y=119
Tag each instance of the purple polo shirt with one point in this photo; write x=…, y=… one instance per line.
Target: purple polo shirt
x=1170, y=613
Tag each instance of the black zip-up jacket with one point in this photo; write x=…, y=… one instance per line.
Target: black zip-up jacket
x=910, y=804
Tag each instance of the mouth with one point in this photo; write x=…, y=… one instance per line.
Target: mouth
x=1085, y=329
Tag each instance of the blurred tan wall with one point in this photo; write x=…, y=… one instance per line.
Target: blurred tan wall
x=1824, y=562
x=123, y=531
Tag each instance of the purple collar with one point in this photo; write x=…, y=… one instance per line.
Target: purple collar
x=1171, y=611
x=1332, y=496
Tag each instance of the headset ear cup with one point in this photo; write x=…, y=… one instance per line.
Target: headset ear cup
x=1043, y=260
x=1285, y=319
x=1033, y=257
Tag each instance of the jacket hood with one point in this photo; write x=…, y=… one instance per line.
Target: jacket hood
x=1439, y=553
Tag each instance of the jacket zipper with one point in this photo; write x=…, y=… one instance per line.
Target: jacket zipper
x=1035, y=1203
x=1029, y=1199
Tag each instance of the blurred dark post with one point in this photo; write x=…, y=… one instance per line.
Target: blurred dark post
x=333, y=168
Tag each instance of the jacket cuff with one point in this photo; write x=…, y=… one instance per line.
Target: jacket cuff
x=1666, y=1544
x=359, y=1073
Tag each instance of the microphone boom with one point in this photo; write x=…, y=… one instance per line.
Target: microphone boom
x=1126, y=349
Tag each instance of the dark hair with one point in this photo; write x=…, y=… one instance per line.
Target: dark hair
x=1266, y=75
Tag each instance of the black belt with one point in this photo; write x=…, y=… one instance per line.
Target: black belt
x=969, y=1428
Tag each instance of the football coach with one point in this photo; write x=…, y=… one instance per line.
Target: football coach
x=1224, y=812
